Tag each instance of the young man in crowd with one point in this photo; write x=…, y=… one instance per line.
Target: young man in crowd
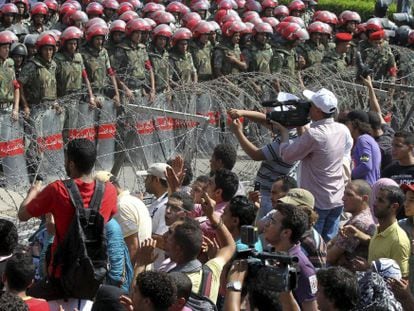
x=80, y=158
x=402, y=171
x=283, y=232
x=343, y=248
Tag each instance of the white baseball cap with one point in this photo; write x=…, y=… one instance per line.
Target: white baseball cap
x=324, y=99
x=156, y=169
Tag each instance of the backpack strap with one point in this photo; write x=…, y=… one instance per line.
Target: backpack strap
x=74, y=193
x=96, y=201
x=206, y=280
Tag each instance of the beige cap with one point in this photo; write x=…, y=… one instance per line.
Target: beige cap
x=156, y=169
x=299, y=196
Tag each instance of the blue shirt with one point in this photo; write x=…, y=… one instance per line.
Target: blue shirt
x=367, y=159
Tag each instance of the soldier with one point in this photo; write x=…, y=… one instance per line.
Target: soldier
x=38, y=13
x=9, y=12
x=181, y=62
x=69, y=75
x=349, y=20
x=18, y=52
x=159, y=57
x=116, y=35
x=335, y=60
x=296, y=8
x=38, y=95
x=281, y=12
x=201, y=7
x=378, y=56
x=21, y=21
x=110, y=8
x=227, y=57
x=312, y=50
x=202, y=51
x=267, y=8
x=65, y=11
x=259, y=56
x=94, y=9
x=309, y=11
x=131, y=62
x=11, y=131
x=53, y=16
x=30, y=43
x=214, y=36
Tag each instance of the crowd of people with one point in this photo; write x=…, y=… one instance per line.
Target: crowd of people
x=329, y=223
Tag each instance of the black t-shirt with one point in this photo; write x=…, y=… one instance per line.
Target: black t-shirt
x=385, y=142
x=401, y=174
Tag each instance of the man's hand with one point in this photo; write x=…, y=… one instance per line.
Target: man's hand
x=151, y=95
x=235, y=113
x=366, y=81
x=126, y=302
x=117, y=101
x=238, y=271
x=210, y=247
x=58, y=108
x=255, y=197
x=236, y=126
x=174, y=182
x=26, y=112
x=15, y=115
x=145, y=252
x=359, y=264
x=351, y=231
x=399, y=288
x=208, y=205
x=92, y=103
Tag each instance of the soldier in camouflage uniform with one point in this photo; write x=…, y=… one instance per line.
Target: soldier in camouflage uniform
x=227, y=57
x=131, y=62
x=180, y=59
x=30, y=43
x=53, y=16
x=39, y=96
x=18, y=53
x=309, y=11
x=70, y=75
x=202, y=51
x=312, y=50
x=116, y=35
x=335, y=60
x=377, y=54
x=9, y=12
x=38, y=14
x=159, y=57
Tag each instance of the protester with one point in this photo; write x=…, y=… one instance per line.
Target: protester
x=8, y=243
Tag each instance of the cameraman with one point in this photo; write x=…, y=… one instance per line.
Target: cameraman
x=322, y=149
x=283, y=232
x=272, y=165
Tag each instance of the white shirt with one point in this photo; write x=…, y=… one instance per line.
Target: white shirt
x=133, y=216
x=157, y=213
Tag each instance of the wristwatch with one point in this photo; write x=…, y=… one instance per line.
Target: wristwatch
x=234, y=286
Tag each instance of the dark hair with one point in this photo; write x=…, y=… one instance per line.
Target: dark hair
x=374, y=120
x=202, y=179
x=10, y=302
x=8, y=237
x=19, y=272
x=260, y=297
x=83, y=154
x=227, y=181
x=243, y=209
x=189, y=237
x=328, y=115
x=183, y=283
x=362, y=127
x=288, y=182
x=340, y=286
x=158, y=287
x=188, y=203
x=227, y=154
x=361, y=187
x=163, y=182
x=408, y=137
x=294, y=218
x=394, y=195
x=358, y=115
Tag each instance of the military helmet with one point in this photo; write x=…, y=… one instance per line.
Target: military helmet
x=181, y=34
x=18, y=49
x=7, y=37
x=71, y=33
x=94, y=8
x=262, y=28
x=117, y=25
x=45, y=39
x=52, y=5
x=96, y=30
x=203, y=27
x=138, y=24
x=162, y=30
x=39, y=8
x=281, y=10
x=9, y=8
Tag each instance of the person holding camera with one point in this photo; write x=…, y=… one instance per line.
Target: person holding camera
x=284, y=231
x=322, y=149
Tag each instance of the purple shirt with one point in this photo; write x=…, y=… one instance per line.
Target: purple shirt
x=307, y=281
x=322, y=149
x=205, y=224
x=366, y=156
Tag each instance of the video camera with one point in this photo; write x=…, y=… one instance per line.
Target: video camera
x=363, y=70
x=274, y=271
x=291, y=113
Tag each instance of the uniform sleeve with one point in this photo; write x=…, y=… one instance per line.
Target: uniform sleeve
x=26, y=74
x=194, y=69
x=218, y=57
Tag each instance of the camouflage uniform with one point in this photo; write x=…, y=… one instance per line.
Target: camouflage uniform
x=160, y=65
x=307, y=17
x=220, y=60
x=32, y=29
x=7, y=76
x=130, y=64
x=68, y=73
x=334, y=61
x=379, y=59
x=182, y=67
x=311, y=52
x=202, y=59
x=258, y=57
x=283, y=61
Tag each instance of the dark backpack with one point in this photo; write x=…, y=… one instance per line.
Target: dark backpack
x=199, y=301
x=82, y=254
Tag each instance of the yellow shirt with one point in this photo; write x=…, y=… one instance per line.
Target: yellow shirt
x=391, y=243
x=216, y=269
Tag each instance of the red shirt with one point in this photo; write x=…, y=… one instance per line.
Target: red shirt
x=55, y=199
x=35, y=304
